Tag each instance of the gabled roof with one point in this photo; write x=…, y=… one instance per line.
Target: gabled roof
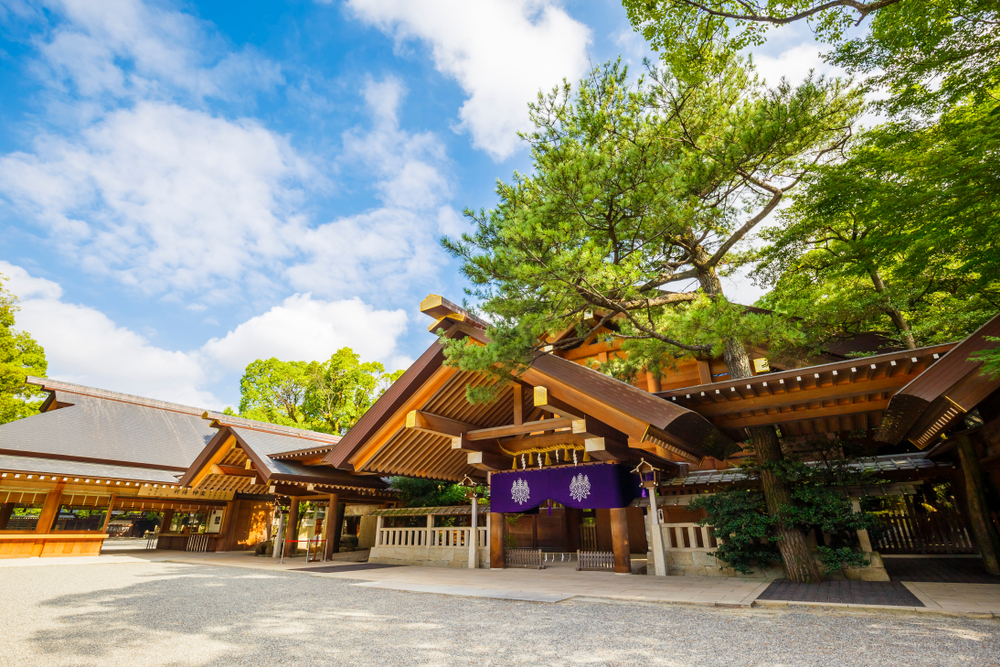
x=939, y=398
x=380, y=441
x=263, y=449
x=89, y=425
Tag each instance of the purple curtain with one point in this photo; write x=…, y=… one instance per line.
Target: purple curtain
x=593, y=486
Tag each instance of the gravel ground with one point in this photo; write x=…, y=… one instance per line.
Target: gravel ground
x=149, y=614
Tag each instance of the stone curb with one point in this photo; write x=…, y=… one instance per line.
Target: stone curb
x=876, y=607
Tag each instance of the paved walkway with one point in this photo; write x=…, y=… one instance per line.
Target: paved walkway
x=555, y=583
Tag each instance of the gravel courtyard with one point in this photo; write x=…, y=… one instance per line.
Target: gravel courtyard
x=149, y=614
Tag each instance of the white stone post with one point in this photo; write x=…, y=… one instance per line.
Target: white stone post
x=656, y=534
x=474, y=536
x=863, y=539
x=279, y=537
x=378, y=530
x=430, y=531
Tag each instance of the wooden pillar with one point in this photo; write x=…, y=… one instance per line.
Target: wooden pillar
x=983, y=530
x=619, y=541
x=652, y=382
x=227, y=531
x=292, y=527
x=496, y=541
x=5, y=511
x=168, y=516
x=107, y=517
x=574, y=517
x=338, y=525
x=49, y=510
x=331, y=517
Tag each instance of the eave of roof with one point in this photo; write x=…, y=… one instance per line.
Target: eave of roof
x=940, y=397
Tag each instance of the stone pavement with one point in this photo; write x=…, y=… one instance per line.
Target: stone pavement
x=555, y=583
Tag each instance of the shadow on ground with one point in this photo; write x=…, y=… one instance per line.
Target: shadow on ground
x=174, y=614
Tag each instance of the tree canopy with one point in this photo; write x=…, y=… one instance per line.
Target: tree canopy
x=327, y=396
x=637, y=188
x=926, y=54
x=901, y=237
x=20, y=356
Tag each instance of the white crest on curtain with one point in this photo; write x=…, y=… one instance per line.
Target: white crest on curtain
x=519, y=492
x=579, y=487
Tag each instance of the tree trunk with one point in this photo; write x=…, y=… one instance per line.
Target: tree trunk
x=975, y=497
x=896, y=315
x=800, y=563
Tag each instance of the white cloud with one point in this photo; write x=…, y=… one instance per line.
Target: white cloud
x=128, y=47
x=83, y=345
x=164, y=197
x=794, y=64
x=501, y=52
x=303, y=328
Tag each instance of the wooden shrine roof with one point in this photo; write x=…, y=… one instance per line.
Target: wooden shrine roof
x=939, y=399
x=381, y=442
x=99, y=427
x=252, y=457
x=829, y=398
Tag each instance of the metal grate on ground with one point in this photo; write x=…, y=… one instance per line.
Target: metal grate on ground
x=939, y=570
x=344, y=568
x=890, y=593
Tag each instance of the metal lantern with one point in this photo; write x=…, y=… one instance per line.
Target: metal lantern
x=649, y=475
x=471, y=487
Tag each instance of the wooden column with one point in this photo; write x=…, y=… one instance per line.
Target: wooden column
x=338, y=525
x=227, y=531
x=168, y=516
x=107, y=517
x=50, y=509
x=496, y=541
x=5, y=511
x=331, y=517
x=292, y=527
x=652, y=382
x=983, y=530
x=619, y=541
x=574, y=517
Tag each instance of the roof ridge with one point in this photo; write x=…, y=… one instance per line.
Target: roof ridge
x=280, y=429
x=48, y=384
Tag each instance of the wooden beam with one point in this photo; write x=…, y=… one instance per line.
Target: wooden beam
x=603, y=449
x=789, y=398
x=518, y=392
x=593, y=428
x=487, y=461
x=704, y=372
x=545, y=401
x=495, y=432
x=803, y=415
x=429, y=423
x=235, y=471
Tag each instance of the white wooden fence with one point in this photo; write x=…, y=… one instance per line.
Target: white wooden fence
x=457, y=538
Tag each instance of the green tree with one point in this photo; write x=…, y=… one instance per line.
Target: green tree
x=342, y=388
x=927, y=54
x=416, y=492
x=637, y=188
x=20, y=356
x=274, y=391
x=902, y=237
x=327, y=396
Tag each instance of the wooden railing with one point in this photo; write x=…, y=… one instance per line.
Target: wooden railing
x=688, y=537
x=906, y=531
x=523, y=558
x=457, y=538
x=197, y=543
x=595, y=560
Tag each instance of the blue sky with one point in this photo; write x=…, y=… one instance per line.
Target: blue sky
x=186, y=187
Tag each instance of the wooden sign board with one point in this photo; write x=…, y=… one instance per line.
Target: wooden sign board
x=185, y=494
x=761, y=365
